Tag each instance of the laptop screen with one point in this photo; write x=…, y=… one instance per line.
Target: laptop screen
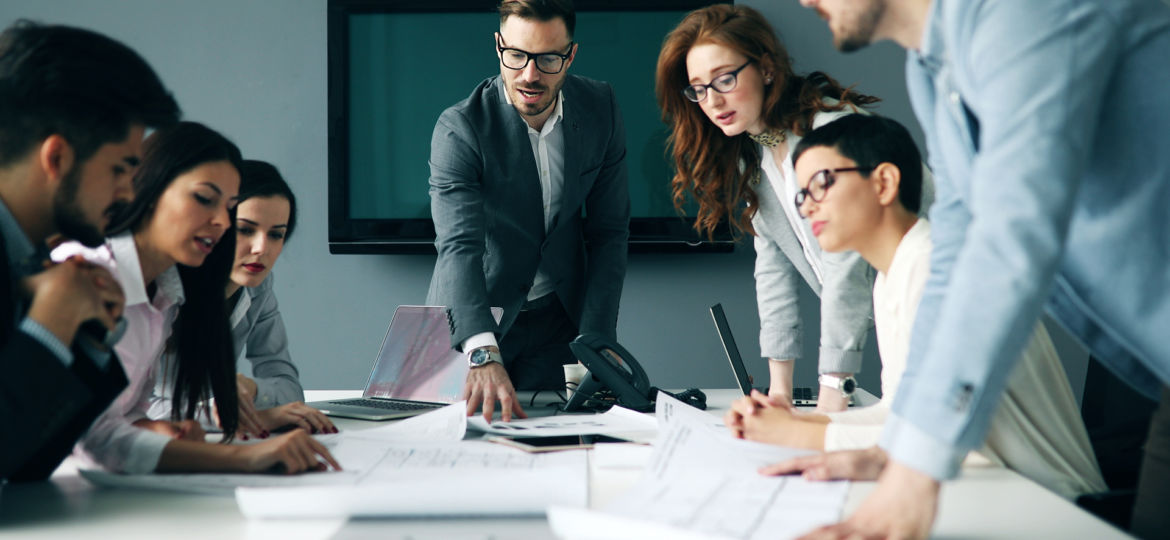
x=729, y=347
x=416, y=361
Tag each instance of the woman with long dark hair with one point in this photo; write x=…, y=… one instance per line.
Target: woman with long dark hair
x=172, y=249
x=736, y=109
x=272, y=397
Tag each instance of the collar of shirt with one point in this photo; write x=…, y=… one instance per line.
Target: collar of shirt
x=243, y=304
x=932, y=49
x=17, y=244
x=170, y=288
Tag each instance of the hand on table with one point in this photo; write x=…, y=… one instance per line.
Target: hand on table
x=902, y=506
x=753, y=416
x=864, y=464
x=296, y=414
x=487, y=384
x=290, y=453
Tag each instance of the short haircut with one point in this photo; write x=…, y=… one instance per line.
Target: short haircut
x=540, y=10
x=84, y=86
x=870, y=140
x=262, y=179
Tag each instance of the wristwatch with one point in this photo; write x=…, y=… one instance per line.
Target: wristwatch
x=483, y=356
x=846, y=385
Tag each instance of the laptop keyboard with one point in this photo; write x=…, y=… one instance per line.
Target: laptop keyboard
x=386, y=404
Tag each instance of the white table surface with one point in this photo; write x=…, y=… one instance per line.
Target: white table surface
x=985, y=502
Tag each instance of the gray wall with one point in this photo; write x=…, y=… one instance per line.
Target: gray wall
x=256, y=70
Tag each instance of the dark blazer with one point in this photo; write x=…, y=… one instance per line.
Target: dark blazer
x=45, y=407
x=489, y=221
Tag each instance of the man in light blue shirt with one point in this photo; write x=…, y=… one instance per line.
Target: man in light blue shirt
x=1047, y=125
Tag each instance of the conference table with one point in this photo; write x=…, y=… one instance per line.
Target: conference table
x=985, y=502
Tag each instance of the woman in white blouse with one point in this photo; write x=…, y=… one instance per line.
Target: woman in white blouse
x=856, y=196
x=185, y=191
x=736, y=109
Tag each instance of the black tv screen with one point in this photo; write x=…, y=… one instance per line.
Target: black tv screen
x=394, y=66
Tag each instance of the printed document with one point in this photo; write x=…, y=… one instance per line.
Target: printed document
x=416, y=467
x=617, y=420
x=702, y=483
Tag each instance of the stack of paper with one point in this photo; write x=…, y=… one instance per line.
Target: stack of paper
x=702, y=483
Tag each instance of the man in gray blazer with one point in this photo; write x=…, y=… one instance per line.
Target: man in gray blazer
x=531, y=209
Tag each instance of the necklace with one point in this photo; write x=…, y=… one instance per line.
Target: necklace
x=770, y=137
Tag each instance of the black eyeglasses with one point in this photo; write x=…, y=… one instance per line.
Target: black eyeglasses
x=722, y=84
x=546, y=62
x=820, y=183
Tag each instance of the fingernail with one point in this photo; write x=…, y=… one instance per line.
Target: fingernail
x=264, y=434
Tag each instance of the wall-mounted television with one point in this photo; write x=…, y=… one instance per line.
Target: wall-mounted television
x=394, y=66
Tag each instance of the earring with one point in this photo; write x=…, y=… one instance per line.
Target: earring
x=767, y=79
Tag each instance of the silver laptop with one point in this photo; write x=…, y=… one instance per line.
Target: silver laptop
x=416, y=370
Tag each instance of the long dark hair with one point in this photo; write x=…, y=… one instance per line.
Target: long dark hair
x=707, y=162
x=201, y=338
x=262, y=179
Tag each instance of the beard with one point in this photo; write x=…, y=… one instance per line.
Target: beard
x=69, y=217
x=536, y=109
x=860, y=34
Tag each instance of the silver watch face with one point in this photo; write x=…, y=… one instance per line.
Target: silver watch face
x=479, y=357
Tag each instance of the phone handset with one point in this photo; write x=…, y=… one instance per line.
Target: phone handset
x=610, y=366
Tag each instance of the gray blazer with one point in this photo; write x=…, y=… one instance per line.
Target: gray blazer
x=487, y=208
x=258, y=327
x=846, y=295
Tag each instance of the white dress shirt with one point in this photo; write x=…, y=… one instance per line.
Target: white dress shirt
x=114, y=442
x=1037, y=430
x=783, y=179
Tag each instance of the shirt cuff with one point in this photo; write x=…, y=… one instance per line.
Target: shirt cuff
x=482, y=339
x=839, y=361
x=48, y=339
x=910, y=446
x=145, y=452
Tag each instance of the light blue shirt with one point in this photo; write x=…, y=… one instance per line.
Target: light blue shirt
x=1047, y=126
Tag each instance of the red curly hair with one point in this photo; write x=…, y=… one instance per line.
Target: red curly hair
x=707, y=163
